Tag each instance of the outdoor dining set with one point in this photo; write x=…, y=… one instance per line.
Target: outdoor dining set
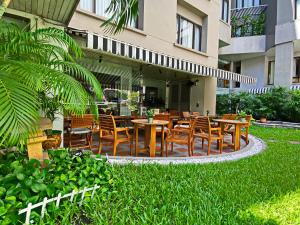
x=168, y=128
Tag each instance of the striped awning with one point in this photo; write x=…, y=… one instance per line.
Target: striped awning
x=267, y=89
x=120, y=48
x=255, y=10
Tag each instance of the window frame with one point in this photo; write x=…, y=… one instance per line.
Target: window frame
x=94, y=2
x=269, y=82
x=178, y=41
x=223, y=11
x=243, y=4
x=297, y=17
x=296, y=76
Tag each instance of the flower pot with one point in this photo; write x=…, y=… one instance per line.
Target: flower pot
x=53, y=140
x=243, y=120
x=263, y=120
x=150, y=120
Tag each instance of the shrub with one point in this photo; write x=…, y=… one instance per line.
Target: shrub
x=23, y=181
x=278, y=104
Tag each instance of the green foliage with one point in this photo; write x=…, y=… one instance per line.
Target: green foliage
x=133, y=100
x=32, y=62
x=150, y=113
x=248, y=25
x=217, y=193
x=278, y=104
x=122, y=12
x=23, y=181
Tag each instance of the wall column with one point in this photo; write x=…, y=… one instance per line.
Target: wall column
x=284, y=59
x=203, y=96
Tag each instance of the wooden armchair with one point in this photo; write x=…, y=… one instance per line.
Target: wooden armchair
x=182, y=136
x=81, y=126
x=205, y=131
x=110, y=133
x=185, y=121
x=195, y=114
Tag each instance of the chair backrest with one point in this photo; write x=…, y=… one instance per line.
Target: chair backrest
x=107, y=122
x=229, y=116
x=186, y=115
x=196, y=114
x=174, y=112
x=84, y=121
x=202, y=123
x=162, y=116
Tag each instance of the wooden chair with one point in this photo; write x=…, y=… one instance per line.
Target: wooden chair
x=185, y=121
x=182, y=136
x=110, y=133
x=228, y=129
x=195, y=114
x=81, y=126
x=205, y=131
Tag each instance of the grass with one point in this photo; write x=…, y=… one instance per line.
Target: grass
x=263, y=189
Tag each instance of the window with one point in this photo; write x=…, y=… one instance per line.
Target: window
x=188, y=34
x=296, y=78
x=99, y=8
x=271, y=72
x=225, y=10
x=297, y=9
x=247, y=3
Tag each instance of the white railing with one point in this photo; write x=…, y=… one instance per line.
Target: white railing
x=57, y=199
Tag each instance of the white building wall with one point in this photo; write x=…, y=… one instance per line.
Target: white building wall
x=254, y=67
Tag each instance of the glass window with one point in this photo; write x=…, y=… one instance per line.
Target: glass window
x=271, y=72
x=296, y=78
x=225, y=10
x=188, y=33
x=87, y=5
x=256, y=2
x=239, y=4
x=99, y=8
x=297, y=9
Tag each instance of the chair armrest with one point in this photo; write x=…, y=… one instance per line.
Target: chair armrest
x=121, y=129
x=182, y=130
x=215, y=128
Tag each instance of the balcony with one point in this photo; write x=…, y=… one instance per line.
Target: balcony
x=247, y=22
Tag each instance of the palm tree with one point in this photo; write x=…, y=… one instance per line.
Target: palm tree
x=34, y=62
x=121, y=12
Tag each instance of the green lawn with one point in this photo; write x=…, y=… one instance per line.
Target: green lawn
x=264, y=189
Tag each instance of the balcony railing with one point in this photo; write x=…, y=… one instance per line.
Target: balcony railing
x=248, y=21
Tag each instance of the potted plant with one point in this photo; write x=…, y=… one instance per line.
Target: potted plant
x=242, y=116
x=150, y=115
x=264, y=113
x=133, y=102
x=50, y=106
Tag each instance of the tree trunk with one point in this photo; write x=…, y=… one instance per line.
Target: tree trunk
x=3, y=7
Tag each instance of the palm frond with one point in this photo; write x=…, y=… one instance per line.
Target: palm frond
x=18, y=110
x=60, y=37
x=122, y=13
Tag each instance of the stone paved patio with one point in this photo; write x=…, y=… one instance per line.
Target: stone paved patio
x=179, y=150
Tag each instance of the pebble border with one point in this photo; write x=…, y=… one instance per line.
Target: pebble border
x=255, y=146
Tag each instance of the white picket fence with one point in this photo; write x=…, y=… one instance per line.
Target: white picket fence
x=57, y=199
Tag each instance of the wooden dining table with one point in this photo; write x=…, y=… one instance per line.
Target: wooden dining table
x=150, y=134
x=237, y=130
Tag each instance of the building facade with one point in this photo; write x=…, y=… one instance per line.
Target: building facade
x=169, y=55
x=265, y=44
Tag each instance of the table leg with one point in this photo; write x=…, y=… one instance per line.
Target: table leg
x=152, y=140
x=162, y=140
x=237, y=137
x=136, y=132
x=147, y=137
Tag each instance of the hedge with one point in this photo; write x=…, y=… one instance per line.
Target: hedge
x=278, y=104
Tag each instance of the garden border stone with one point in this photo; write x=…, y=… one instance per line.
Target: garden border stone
x=255, y=146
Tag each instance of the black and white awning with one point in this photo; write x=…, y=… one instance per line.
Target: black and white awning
x=120, y=48
x=254, y=10
x=268, y=89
